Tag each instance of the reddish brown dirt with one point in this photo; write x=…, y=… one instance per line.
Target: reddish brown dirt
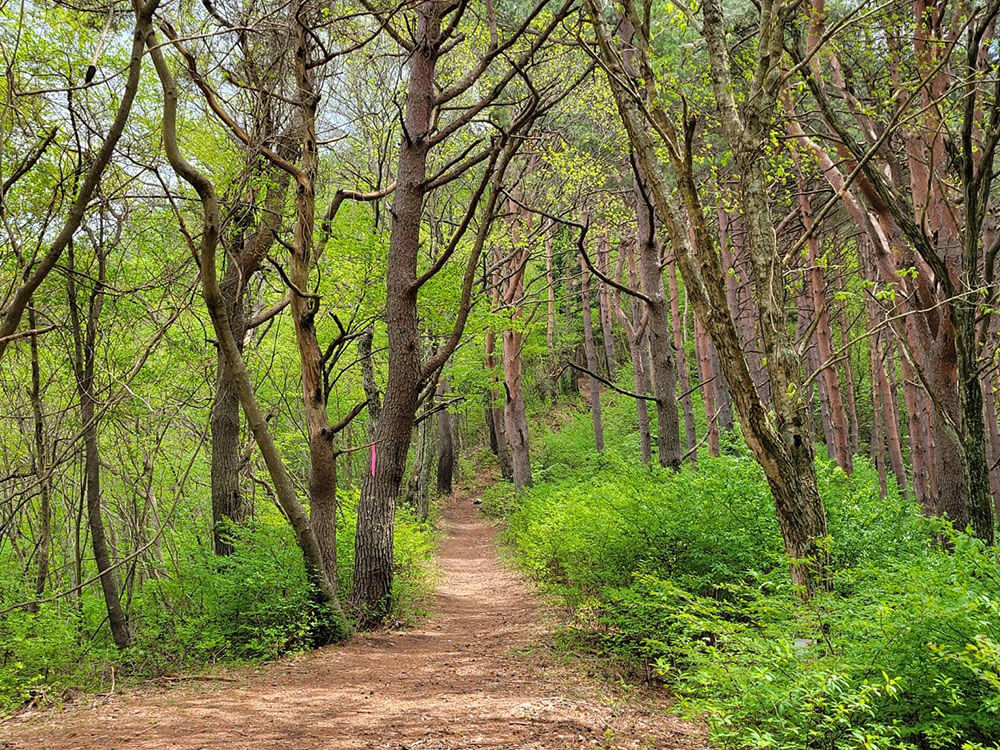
x=478, y=673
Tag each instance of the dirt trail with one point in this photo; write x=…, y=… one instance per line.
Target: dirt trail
x=476, y=674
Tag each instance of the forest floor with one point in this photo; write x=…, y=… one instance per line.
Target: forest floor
x=480, y=672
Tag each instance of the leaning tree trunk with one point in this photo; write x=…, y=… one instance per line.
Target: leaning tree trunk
x=85, y=344
x=325, y=593
x=781, y=443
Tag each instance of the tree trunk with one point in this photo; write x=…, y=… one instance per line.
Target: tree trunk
x=336, y=625
x=836, y=415
x=373, y=547
x=41, y=469
x=604, y=312
x=495, y=415
x=446, y=445
x=228, y=503
x=85, y=352
x=781, y=443
x=229, y=506
x=691, y=438
x=637, y=346
x=664, y=371
x=590, y=352
x=515, y=420
x=706, y=381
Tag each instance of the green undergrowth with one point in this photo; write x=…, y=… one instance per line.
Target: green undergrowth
x=682, y=575
x=194, y=609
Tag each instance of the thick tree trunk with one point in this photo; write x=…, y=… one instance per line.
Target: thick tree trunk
x=228, y=503
x=373, y=548
x=664, y=371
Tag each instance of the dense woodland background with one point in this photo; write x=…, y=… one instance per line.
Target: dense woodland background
x=709, y=287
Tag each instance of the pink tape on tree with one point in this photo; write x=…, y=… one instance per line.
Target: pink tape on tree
x=373, y=459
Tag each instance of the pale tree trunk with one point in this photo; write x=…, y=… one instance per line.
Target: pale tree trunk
x=890, y=417
x=418, y=483
x=850, y=399
x=878, y=439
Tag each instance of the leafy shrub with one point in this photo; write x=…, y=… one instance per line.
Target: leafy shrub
x=685, y=573
x=254, y=604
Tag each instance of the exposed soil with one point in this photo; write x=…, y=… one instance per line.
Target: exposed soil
x=478, y=673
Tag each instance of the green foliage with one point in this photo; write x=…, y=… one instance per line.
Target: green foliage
x=201, y=609
x=685, y=573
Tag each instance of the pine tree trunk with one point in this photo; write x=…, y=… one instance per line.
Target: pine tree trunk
x=664, y=370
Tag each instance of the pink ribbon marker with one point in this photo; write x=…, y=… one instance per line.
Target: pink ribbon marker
x=373, y=459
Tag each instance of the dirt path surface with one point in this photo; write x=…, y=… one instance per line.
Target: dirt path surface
x=478, y=673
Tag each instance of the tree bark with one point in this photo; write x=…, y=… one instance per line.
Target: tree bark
x=446, y=444
x=590, y=352
x=336, y=626
x=664, y=371
x=781, y=443
x=691, y=438
x=42, y=553
x=85, y=352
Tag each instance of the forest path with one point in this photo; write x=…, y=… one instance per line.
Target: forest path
x=477, y=673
